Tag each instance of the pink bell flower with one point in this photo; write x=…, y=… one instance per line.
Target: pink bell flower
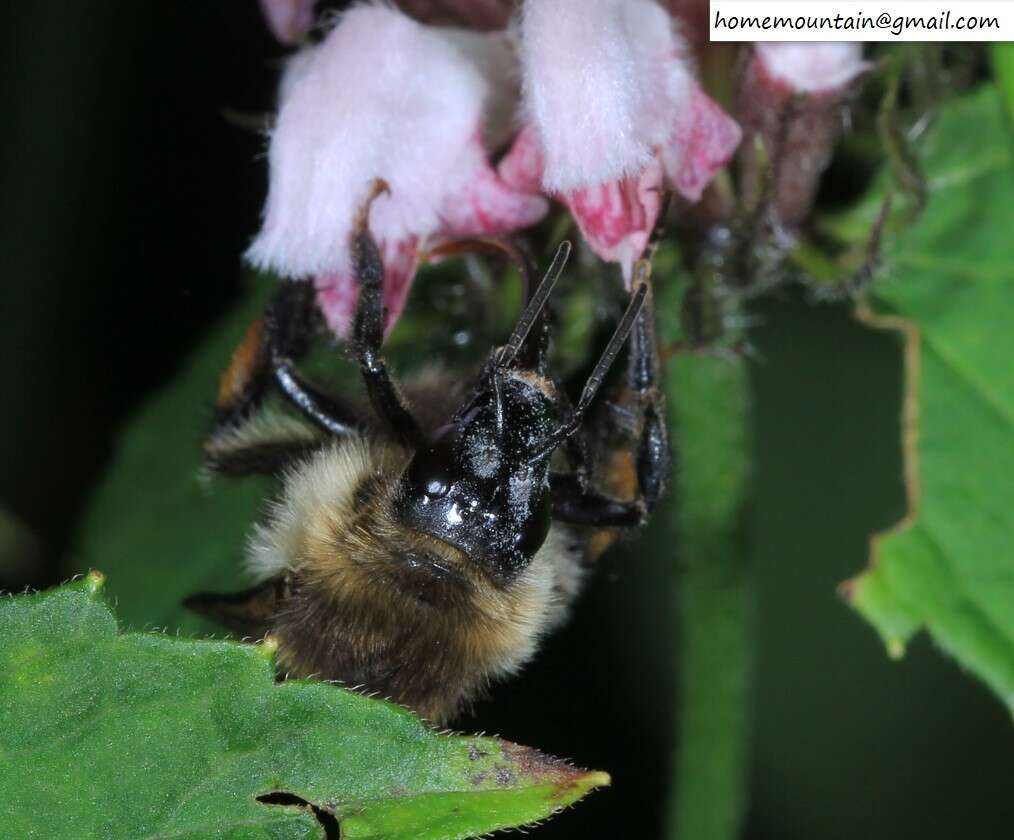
x=612, y=112
x=386, y=97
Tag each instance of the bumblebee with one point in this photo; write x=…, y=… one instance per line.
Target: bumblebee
x=424, y=541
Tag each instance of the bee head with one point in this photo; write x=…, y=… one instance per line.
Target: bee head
x=482, y=483
x=478, y=485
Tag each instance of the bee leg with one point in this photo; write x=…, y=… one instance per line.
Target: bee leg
x=368, y=336
x=653, y=453
x=227, y=457
x=249, y=613
x=236, y=446
x=290, y=323
x=577, y=505
x=641, y=406
x=267, y=354
x=244, y=382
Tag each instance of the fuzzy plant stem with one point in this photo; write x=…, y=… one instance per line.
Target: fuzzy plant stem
x=709, y=408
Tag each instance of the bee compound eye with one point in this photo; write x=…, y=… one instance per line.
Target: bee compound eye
x=430, y=473
x=531, y=537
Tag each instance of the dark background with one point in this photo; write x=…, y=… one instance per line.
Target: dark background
x=126, y=200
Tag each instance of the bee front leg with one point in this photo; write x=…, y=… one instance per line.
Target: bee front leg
x=368, y=336
x=290, y=323
x=267, y=355
x=239, y=444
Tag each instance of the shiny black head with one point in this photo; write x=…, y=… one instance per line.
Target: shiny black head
x=482, y=483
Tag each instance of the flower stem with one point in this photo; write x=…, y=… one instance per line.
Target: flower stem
x=709, y=407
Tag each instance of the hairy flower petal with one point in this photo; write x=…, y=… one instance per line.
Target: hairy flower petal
x=603, y=80
x=522, y=166
x=616, y=217
x=346, y=119
x=702, y=142
x=383, y=97
x=612, y=111
x=288, y=20
x=487, y=204
x=336, y=296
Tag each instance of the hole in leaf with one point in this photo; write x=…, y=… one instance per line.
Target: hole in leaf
x=327, y=820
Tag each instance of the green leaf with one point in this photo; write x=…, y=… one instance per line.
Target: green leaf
x=949, y=290
x=130, y=735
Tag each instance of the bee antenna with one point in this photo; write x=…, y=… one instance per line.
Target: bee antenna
x=517, y=338
x=598, y=374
